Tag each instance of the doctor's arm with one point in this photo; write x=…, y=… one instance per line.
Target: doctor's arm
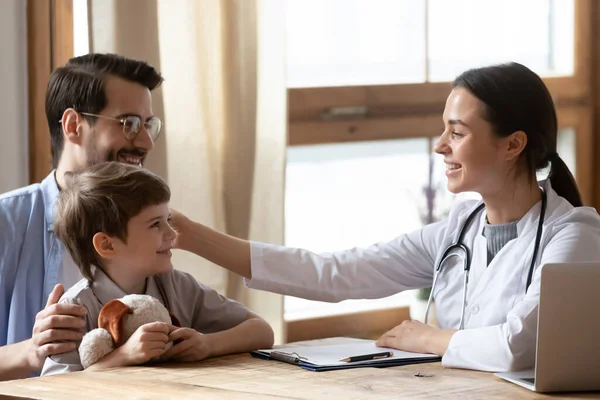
x=381, y=270
x=227, y=251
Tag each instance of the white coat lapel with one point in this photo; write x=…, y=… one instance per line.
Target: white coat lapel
x=479, y=271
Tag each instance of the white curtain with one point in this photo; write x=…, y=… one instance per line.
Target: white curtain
x=224, y=107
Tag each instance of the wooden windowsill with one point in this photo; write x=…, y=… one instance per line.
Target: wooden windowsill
x=363, y=325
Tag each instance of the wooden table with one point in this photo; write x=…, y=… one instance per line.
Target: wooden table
x=243, y=377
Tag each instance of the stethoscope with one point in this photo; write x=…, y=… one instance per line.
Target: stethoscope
x=458, y=245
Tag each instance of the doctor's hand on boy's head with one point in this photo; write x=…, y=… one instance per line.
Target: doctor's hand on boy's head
x=178, y=222
x=146, y=343
x=191, y=345
x=56, y=330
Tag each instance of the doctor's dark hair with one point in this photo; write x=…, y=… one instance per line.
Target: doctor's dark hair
x=103, y=198
x=79, y=84
x=516, y=99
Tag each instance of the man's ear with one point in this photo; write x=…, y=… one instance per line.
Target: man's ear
x=72, y=125
x=515, y=144
x=103, y=245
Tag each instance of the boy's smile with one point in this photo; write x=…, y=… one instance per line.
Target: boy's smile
x=147, y=250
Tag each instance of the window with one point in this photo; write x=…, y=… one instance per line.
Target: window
x=471, y=33
x=350, y=42
x=566, y=148
x=81, y=43
x=358, y=42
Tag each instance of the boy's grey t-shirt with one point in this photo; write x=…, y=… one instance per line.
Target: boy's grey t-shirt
x=195, y=305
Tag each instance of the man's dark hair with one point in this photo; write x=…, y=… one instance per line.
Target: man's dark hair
x=80, y=85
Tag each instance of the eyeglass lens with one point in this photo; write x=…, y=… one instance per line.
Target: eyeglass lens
x=132, y=125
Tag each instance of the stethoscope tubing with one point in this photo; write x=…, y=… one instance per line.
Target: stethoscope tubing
x=450, y=252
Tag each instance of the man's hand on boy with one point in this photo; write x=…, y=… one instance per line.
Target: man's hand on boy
x=192, y=346
x=56, y=330
x=146, y=343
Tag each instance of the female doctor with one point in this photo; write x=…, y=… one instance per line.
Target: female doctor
x=499, y=129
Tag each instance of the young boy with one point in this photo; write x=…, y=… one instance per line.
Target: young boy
x=113, y=219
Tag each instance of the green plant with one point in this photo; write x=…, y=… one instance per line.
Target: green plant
x=423, y=294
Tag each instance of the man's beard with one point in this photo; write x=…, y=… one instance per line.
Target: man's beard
x=94, y=156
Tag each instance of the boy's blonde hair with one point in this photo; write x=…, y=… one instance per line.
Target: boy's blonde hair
x=103, y=198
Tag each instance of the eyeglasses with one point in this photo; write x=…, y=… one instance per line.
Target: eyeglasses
x=132, y=124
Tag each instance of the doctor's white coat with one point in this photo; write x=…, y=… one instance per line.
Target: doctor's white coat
x=500, y=319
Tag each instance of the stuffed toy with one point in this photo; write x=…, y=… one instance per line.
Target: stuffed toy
x=118, y=320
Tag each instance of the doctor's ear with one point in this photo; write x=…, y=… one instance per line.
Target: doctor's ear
x=515, y=144
x=104, y=246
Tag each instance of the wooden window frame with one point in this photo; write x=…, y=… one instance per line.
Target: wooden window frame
x=595, y=99
x=49, y=45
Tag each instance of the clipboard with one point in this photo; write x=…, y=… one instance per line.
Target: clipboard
x=327, y=357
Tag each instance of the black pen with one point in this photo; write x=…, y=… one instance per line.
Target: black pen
x=367, y=357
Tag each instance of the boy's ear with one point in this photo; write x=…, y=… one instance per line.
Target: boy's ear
x=71, y=123
x=103, y=245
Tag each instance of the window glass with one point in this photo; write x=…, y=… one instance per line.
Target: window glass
x=340, y=196
x=81, y=43
x=355, y=42
x=465, y=34
x=370, y=42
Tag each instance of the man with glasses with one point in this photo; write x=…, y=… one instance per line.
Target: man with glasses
x=99, y=108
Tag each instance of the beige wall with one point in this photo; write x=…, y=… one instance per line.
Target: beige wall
x=13, y=95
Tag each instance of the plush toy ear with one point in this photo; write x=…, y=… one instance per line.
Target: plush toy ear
x=111, y=319
x=174, y=320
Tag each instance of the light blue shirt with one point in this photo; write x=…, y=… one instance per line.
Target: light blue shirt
x=30, y=257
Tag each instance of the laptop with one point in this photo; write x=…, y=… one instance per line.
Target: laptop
x=568, y=334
